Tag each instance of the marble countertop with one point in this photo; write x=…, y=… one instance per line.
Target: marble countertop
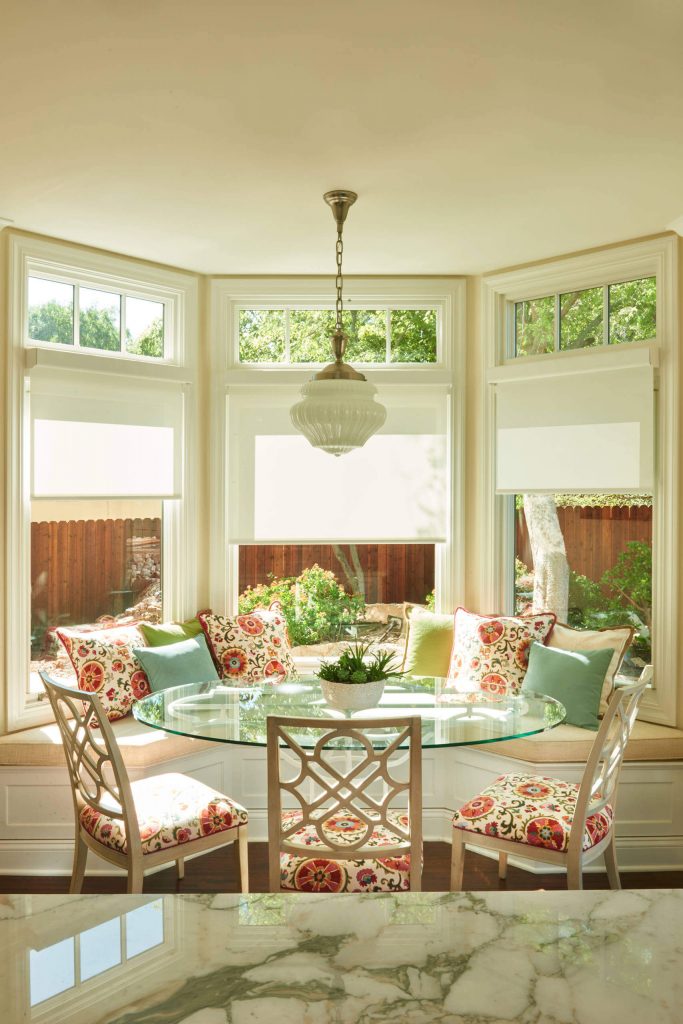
x=455, y=958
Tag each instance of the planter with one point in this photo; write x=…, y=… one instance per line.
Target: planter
x=352, y=696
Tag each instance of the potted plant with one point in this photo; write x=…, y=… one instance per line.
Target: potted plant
x=355, y=681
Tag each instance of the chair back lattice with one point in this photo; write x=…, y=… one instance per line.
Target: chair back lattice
x=601, y=777
x=355, y=778
x=98, y=776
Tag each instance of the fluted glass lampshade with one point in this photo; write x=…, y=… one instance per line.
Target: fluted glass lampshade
x=338, y=415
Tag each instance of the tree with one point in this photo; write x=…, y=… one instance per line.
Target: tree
x=51, y=322
x=551, y=570
x=150, y=342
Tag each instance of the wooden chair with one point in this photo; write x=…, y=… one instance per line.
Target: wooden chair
x=136, y=825
x=551, y=821
x=345, y=836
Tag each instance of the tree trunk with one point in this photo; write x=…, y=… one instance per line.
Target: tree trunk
x=551, y=569
x=355, y=577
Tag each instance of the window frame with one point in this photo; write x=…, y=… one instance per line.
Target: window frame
x=657, y=257
x=180, y=541
x=229, y=376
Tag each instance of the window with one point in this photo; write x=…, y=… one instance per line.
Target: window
x=94, y=563
x=61, y=313
x=574, y=440
x=607, y=315
x=597, y=564
x=298, y=336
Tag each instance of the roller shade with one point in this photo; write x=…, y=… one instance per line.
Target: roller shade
x=393, y=490
x=576, y=432
x=92, y=439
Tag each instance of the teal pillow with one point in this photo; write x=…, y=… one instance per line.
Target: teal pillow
x=574, y=678
x=170, y=632
x=177, y=664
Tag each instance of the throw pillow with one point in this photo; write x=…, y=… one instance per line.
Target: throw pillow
x=617, y=638
x=574, y=678
x=429, y=643
x=249, y=648
x=177, y=664
x=491, y=652
x=105, y=664
x=170, y=632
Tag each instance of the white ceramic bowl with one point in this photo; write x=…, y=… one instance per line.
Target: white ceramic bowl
x=352, y=696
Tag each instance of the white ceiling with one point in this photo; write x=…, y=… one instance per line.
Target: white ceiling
x=478, y=134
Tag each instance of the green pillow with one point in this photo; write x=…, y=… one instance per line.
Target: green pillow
x=170, y=632
x=574, y=678
x=430, y=639
x=177, y=664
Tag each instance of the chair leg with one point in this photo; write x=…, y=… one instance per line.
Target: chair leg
x=611, y=865
x=135, y=878
x=457, y=860
x=78, y=870
x=502, y=866
x=243, y=853
x=574, y=873
x=180, y=866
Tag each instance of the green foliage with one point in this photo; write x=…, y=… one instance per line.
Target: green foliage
x=430, y=601
x=314, y=604
x=357, y=665
x=150, y=342
x=262, y=335
x=51, y=322
x=413, y=335
x=99, y=329
x=595, y=501
x=633, y=310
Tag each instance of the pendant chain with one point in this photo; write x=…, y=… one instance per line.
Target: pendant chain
x=339, y=280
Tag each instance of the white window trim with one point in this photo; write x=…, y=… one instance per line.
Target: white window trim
x=227, y=374
x=654, y=257
x=180, y=543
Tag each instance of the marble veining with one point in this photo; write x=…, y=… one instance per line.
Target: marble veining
x=455, y=958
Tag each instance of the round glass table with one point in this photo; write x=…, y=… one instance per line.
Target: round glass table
x=233, y=714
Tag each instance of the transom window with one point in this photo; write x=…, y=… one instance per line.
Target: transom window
x=69, y=313
x=290, y=335
x=607, y=315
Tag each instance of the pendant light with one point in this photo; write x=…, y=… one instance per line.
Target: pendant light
x=338, y=411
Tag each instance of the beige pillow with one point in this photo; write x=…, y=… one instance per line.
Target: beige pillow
x=617, y=637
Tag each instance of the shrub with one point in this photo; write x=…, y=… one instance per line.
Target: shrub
x=315, y=604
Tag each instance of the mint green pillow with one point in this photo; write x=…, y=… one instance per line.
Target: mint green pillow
x=177, y=664
x=574, y=678
x=170, y=632
x=429, y=643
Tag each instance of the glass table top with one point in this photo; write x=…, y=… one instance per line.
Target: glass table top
x=233, y=714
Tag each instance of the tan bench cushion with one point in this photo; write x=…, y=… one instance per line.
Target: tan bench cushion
x=140, y=745
x=568, y=743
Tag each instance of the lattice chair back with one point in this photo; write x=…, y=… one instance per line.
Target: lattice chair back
x=367, y=785
x=601, y=777
x=98, y=776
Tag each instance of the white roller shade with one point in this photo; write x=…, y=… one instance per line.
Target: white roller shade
x=93, y=439
x=393, y=490
x=576, y=432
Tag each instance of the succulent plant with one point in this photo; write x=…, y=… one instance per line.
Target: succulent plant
x=357, y=665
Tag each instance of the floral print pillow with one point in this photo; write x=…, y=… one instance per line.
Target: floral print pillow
x=249, y=648
x=104, y=664
x=491, y=652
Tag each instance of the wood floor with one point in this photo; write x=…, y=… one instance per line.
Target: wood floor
x=217, y=872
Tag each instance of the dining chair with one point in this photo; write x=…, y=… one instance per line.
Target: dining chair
x=135, y=825
x=550, y=821
x=345, y=835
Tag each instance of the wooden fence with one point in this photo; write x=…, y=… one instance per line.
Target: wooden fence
x=393, y=572
x=87, y=568
x=594, y=537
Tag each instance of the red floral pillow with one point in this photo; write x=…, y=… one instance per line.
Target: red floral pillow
x=104, y=664
x=491, y=652
x=249, y=648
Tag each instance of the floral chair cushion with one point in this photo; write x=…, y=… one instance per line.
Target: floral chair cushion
x=491, y=652
x=104, y=664
x=326, y=873
x=171, y=809
x=531, y=809
x=249, y=648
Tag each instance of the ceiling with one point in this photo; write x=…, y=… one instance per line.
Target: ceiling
x=477, y=134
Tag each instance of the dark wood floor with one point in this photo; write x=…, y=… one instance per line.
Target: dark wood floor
x=217, y=872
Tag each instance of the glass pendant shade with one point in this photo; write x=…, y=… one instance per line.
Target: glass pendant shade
x=338, y=415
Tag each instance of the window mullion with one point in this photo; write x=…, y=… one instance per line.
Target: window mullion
x=557, y=332
x=605, y=315
x=77, y=316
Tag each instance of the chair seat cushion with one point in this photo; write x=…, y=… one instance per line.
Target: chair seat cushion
x=326, y=873
x=171, y=809
x=531, y=809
